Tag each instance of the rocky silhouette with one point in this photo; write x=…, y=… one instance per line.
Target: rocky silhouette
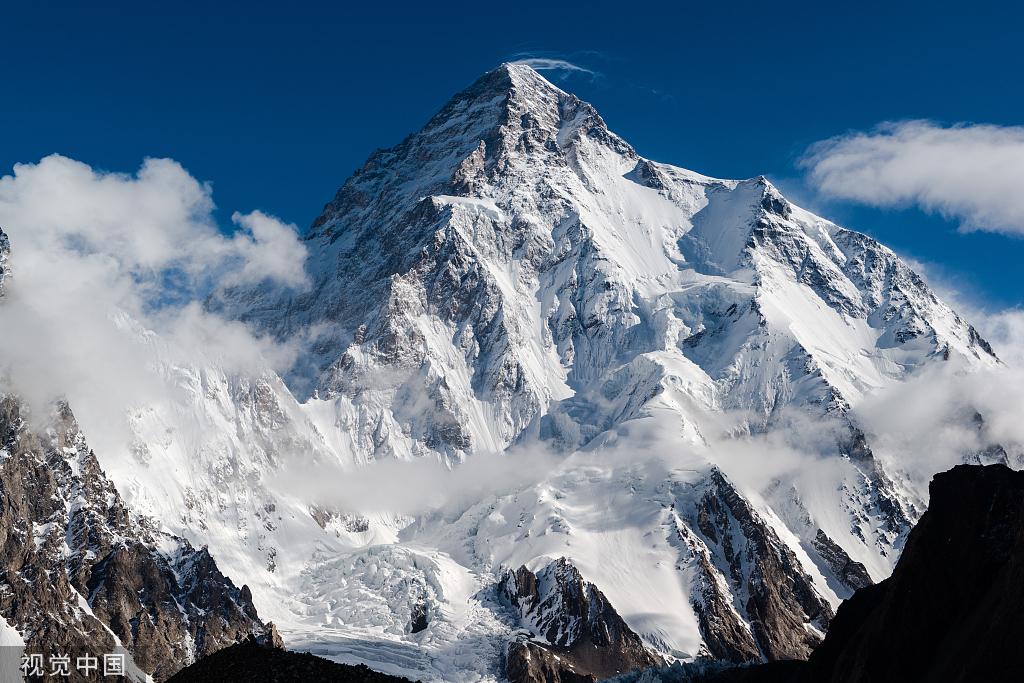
x=252, y=662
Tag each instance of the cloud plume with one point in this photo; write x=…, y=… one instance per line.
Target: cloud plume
x=971, y=173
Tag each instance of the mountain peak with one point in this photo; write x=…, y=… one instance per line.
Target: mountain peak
x=524, y=74
x=509, y=90
x=515, y=274
x=508, y=75
x=509, y=80
x=510, y=111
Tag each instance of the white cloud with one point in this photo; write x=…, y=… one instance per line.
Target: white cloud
x=969, y=172
x=1005, y=331
x=419, y=486
x=550, y=64
x=269, y=250
x=97, y=258
x=156, y=221
x=925, y=425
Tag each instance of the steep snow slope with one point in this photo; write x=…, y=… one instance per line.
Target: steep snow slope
x=515, y=274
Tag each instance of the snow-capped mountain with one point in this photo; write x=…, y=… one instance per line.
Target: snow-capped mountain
x=514, y=280
x=515, y=273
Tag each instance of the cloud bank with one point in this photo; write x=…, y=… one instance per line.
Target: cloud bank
x=98, y=259
x=971, y=173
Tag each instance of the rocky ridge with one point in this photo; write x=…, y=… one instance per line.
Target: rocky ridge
x=82, y=574
x=574, y=634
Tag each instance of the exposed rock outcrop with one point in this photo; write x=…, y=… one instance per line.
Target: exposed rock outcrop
x=575, y=635
x=850, y=572
x=765, y=580
x=726, y=635
x=80, y=573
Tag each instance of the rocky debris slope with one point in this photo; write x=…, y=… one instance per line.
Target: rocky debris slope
x=250, y=661
x=574, y=632
x=81, y=573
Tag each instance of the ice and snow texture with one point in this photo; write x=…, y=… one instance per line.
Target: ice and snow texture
x=514, y=277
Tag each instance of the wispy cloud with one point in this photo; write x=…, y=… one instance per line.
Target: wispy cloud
x=562, y=64
x=971, y=173
x=546, y=64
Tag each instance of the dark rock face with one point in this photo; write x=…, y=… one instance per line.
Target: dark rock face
x=575, y=633
x=951, y=609
x=765, y=579
x=249, y=661
x=420, y=618
x=725, y=634
x=75, y=562
x=849, y=571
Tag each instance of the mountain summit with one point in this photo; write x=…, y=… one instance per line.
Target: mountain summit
x=514, y=252
x=512, y=279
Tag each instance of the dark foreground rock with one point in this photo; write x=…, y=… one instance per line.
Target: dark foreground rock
x=951, y=611
x=250, y=662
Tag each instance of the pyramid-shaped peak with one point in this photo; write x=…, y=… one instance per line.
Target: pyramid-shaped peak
x=521, y=73
x=511, y=91
x=509, y=112
x=517, y=80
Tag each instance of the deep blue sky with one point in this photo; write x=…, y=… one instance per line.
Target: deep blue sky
x=276, y=106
